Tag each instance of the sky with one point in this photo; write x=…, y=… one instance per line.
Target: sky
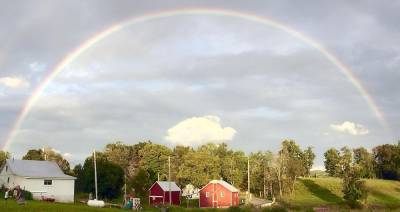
x=197, y=78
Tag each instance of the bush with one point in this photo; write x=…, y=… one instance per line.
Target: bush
x=27, y=195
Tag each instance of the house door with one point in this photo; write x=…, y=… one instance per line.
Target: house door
x=215, y=200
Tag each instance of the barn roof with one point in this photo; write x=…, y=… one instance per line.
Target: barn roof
x=225, y=184
x=165, y=186
x=36, y=169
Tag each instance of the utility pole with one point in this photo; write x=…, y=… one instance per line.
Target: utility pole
x=169, y=179
x=125, y=189
x=248, y=180
x=44, y=153
x=232, y=171
x=264, y=180
x=95, y=171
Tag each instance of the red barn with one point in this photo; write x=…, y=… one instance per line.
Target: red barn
x=218, y=194
x=159, y=193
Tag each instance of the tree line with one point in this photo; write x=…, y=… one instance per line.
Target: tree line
x=382, y=162
x=140, y=165
x=353, y=165
x=271, y=174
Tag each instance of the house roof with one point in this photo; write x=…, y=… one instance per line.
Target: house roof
x=36, y=169
x=165, y=186
x=225, y=184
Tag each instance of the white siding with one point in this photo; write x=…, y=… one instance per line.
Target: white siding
x=60, y=190
x=8, y=179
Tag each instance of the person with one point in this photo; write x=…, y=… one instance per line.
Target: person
x=129, y=204
x=20, y=196
x=6, y=194
x=15, y=193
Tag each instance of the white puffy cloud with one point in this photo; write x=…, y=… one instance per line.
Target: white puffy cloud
x=199, y=130
x=67, y=155
x=14, y=82
x=350, y=128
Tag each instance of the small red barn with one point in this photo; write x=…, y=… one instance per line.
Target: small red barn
x=218, y=194
x=159, y=193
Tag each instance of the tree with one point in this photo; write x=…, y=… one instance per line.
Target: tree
x=353, y=188
x=345, y=162
x=292, y=161
x=34, y=154
x=3, y=157
x=78, y=173
x=110, y=177
x=235, y=170
x=140, y=183
x=177, y=159
x=308, y=160
x=50, y=155
x=365, y=161
x=259, y=163
x=387, y=159
x=119, y=153
x=332, y=158
x=199, y=167
x=154, y=159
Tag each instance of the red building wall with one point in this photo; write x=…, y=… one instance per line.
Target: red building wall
x=158, y=196
x=218, y=197
x=175, y=200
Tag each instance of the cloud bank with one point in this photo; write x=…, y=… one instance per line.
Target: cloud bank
x=350, y=128
x=199, y=130
x=14, y=82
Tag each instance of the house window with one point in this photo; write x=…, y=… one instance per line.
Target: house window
x=48, y=182
x=8, y=180
x=222, y=194
x=207, y=194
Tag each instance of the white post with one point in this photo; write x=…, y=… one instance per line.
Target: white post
x=248, y=180
x=169, y=179
x=95, y=171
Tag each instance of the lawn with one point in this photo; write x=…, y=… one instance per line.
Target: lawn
x=11, y=205
x=309, y=193
x=312, y=192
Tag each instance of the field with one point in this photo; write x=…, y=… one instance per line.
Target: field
x=327, y=192
x=309, y=193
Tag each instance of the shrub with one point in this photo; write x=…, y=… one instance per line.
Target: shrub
x=27, y=195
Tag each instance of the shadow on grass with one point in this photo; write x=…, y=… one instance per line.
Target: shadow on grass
x=384, y=198
x=320, y=192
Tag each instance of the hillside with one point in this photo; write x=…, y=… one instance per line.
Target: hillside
x=311, y=192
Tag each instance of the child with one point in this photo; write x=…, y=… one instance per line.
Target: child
x=6, y=194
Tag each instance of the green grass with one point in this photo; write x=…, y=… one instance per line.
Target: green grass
x=314, y=192
x=309, y=193
x=11, y=205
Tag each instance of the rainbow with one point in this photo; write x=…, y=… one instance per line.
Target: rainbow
x=98, y=37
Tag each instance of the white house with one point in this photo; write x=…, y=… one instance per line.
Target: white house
x=190, y=192
x=41, y=178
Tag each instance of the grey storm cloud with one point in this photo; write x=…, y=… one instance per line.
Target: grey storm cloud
x=147, y=78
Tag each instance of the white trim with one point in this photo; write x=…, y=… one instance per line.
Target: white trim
x=152, y=186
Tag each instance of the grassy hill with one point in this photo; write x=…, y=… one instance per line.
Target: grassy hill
x=312, y=192
x=309, y=193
